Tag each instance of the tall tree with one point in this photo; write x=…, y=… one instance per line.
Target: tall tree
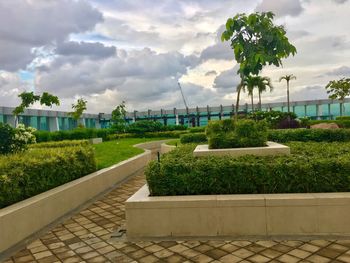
x=256, y=42
x=339, y=89
x=29, y=98
x=78, y=108
x=118, y=117
x=288, y=78
x=263, y=83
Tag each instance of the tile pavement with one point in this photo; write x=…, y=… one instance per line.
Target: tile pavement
x=85, y=237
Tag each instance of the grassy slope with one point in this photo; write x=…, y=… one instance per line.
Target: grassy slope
x=112, y=152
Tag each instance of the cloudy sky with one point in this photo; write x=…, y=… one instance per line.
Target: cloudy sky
x=107, y=51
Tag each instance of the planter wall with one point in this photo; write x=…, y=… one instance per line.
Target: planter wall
x=260, y=215
x=25, y=218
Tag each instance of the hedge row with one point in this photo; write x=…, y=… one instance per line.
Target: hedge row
x=37, y=170
x=76, y=134
x=312, y=167
x=60, y=144
x=305, y=135
x=193, y=138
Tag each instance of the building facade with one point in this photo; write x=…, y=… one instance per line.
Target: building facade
x=199, y=116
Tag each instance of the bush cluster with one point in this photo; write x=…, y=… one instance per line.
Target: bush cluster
x=234, y=134
x=343, y=118
x=312, y=167
x=14, y=140
x=197, y=129
x=26, y=174
x=276, y=119
x=305, y=135
x=193, y=138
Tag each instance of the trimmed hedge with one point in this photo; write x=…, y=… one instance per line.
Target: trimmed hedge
x=193, y=138
x=37, y=170
x=305, y=135
x=60, y=144
x=76, y=134
x=235, y=134
x=312, y=167
x=197, y=129
x=343, y=118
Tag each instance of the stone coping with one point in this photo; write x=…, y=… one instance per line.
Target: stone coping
x=23, y=219
x=272, y=148
x=165, y=148
x=304, y=214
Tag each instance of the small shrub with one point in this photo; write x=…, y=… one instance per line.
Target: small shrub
x=341, y=123
x=312, y=167
x=343, y=118
x=76, y=134
x=230, y=134
x=140, y=127
x=60, y=144
x=193, y=138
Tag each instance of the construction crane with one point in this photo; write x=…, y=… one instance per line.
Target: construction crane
x=183, y=98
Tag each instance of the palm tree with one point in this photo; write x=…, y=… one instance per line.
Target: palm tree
x=250, y=82
x=288, y=78
x=262, y=84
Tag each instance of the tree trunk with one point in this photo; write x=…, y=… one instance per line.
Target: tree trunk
x=252, y=100
x=288, y=96
x=239, y=88
x=259, y=100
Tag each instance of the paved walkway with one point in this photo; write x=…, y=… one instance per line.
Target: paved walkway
x=85, y=237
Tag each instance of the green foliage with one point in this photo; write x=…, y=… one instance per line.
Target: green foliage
x=273, y=118
x=140, y=127
x=257, y=42
x=304, y=122
x=306, y=135
x=256, y=82
x=197, y=129
x=338, y=89
x=60, y=144
x=76, y=134
x=312, y=167
x=343, y=118
x=28, y=98
x=193, y=138
x=118, y=118
x=26, y=174
x=78, y=108
x=14, y=140
x=235, y=134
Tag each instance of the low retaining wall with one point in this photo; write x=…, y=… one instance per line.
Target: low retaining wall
x=25, y=218
x=260, y=215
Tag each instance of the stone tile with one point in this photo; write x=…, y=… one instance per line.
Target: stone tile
x=43, y=254
x=328, y=252
x=281, y=248
x=266, y=243
x=270, y=253
x=309, y=247
x=230, y=259
x=256, y=248
x=203, y=248
x=154, y=248
x=299, y=253
x=344, y=258
x=201, y=258
x=258, y=259
x=148, y=259
x=216, y=253
x=242, y=253
x=318, y=259
x=288, y=259
x=178, y=248
x=26, y=258
x=165, y=253
x=229, y=248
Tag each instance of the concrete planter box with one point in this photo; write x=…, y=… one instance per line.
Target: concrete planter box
x=23, y=219
x=263, y=215
x=95, y=140
x=272, y=148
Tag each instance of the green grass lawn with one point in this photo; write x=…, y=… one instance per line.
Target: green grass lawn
x=112, y=152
